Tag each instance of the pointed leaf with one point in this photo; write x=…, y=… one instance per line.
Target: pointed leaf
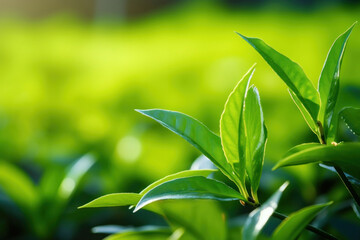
x=190, y=188
x=230, y=125
x=292, y=226
x=259, y=217
x=329, y=81
x=291, y=73
x=186, y=173
x=351, y=117
x=114, y=200
x=346, y=156
x=253, y=138
x=195, y=133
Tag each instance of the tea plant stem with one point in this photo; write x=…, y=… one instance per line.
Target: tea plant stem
x=309, y=227
x=348, y=185
x=338, y=170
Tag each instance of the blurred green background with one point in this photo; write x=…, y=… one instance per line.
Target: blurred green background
x=72, y=73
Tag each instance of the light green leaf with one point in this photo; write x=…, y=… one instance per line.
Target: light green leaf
x=196, y=134
x=306, y=115
x=291, y=73
x=19, y=188
x=114, y=200
x=259, y=217
x=230, y=126
x=190, y=188
x=253, y=137
x=351, y=117
x=329, y=81
x=292, y=226
x=186, y=173
x=346, y=156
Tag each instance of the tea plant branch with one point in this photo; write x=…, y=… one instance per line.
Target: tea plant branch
x=348, y=185
x=309, y=227
x=338, y=170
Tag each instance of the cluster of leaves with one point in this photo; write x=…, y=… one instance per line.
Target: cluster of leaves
x=42, y=205
x=239, y=155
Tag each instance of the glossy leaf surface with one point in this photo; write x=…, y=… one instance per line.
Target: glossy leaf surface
x=190, y=188
x=329, y=81
x=195, y=133
x=345, y=155
x=230, y=125
x=351, y=117
x=114, y=200
x=259, y=217
x=182, y=174
x=253, y=138
x=291, y=73
x=292, y=226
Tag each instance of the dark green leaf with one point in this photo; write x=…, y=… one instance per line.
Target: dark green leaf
x=230, y=122
x=196, y=134
x=253, y=137
x=292, y=226
x=346, y=156
x=351, y=117
x=291, y=73
x=259, y=217
x=190, y=188
x=329, y=82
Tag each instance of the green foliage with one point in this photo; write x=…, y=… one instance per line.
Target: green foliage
x=292, y=226
x=53, y=194
x=351, y=117
x=259, y=217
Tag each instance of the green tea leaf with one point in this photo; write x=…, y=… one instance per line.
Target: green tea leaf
x=253, y=138
x=292, y=226
x=291, y=73
x=351, y=117
x=114, y=200
x=230, y=123
x=346, y=156
x=186, y=173
x=259, y=217
x=301, y=147
x=306, y=115
x=190, y=188
x=196, y=134
x=329, y=81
